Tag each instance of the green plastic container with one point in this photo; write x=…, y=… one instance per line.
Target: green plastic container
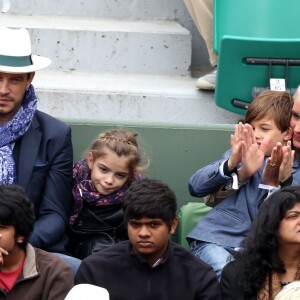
x=254, y=29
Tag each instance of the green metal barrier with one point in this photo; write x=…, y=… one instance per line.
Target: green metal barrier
x=175, y=152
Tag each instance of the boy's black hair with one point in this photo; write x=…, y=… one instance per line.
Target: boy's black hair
x=16, y=210
x=150, y=198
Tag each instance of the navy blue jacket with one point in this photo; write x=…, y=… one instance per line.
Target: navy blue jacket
x=44, y=158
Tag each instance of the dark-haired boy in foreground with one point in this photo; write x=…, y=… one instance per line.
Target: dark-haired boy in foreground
x=149, y=266
x=26, y=272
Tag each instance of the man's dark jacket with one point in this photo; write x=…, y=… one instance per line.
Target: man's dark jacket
x=44, y=158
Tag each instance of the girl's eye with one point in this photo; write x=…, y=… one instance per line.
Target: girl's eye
x=103, y=170
x=120, y=175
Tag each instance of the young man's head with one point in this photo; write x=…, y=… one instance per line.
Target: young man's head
x=270, y=114
x=17, y=69
x=150, y=212
x=16, y=217
x=12, y=90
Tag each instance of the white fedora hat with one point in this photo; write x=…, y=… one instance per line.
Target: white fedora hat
x=15, y=52
x=87, y=291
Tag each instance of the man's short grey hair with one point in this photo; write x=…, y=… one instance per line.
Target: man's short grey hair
x=297, y=92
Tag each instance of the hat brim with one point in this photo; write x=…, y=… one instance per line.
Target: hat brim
x=39, y=62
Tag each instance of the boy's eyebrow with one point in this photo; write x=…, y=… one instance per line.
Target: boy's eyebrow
x=261, y=123
x=265, y=124
x=147, y=222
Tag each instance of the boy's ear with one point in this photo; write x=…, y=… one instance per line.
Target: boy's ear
x=174, y=225
x=288, y=134
x=20, y=239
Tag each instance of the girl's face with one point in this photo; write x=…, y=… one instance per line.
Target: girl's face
x=289, y=227
x=295, y=122
x=109, y=172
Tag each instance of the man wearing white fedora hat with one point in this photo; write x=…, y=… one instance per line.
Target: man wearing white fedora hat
x=35, y=148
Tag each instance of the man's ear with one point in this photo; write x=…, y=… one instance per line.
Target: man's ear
x=30, y=77
x=174, y=225
x=288, y=134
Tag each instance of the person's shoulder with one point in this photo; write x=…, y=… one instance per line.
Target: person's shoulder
x=191, y=267
x=45, y=255
x=186, y=257
x=50, y=127
x=116, y=251
x=45, y=119
x=234, y=268
x=47, y=259
x=81, y=164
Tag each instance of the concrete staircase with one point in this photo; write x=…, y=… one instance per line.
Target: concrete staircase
x=114, y=60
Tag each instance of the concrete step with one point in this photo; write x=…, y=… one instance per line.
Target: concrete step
x=116, y=9
x=112, y=46
x=124, y=98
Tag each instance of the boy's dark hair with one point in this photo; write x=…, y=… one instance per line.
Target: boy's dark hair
x=16, y=210
x=277, y=105
x=150, y=198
